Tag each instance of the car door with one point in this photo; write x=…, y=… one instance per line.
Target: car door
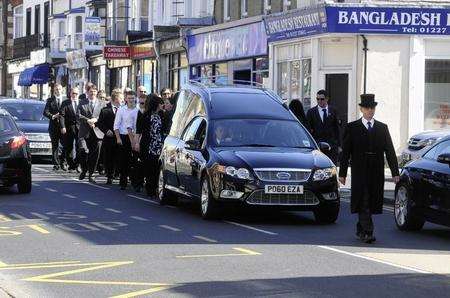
x=190, y=160
x=441, y=179
x=434, y=186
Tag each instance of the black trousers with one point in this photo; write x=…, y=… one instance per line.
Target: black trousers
x=125, y=160
x=89, y=153
x=151, y=173
x=110, y=154
x=137, y=174
x=365, y=223
x=70, y=138
x=57, y=148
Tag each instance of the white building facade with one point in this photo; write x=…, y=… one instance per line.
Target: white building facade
x=407, y=64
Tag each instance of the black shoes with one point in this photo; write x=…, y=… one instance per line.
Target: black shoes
x=92, y=179
x=55, y=168
x=63, y=167
x=109, y=181
x=368, y=238
x=82, y=175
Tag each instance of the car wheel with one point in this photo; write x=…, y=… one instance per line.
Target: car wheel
x=163, y=194
x=209, y=206
x=327, y=213
x=24, y=186
x=406, y=217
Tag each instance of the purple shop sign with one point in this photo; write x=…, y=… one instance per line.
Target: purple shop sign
x=229, y=44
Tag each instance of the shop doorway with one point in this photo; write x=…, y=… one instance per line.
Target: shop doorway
x=336, y=85
x=243, y=77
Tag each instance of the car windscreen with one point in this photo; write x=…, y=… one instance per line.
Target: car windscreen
x=260, y=133
x=7, y=125
x=25, y=112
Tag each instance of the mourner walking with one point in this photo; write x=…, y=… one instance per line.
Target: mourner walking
x=324, y=124
x=366, y=142
x=52, y=111
x=89, y=137
x=106, y=125
x=70, y=128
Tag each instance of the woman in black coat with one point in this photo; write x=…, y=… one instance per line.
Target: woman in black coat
x=149, y=127
x=296, y=108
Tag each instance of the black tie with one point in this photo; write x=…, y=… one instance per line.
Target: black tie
x=369, y=126
x=91, y=106
x=324, y=114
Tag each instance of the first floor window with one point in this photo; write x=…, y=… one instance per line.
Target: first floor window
x=18, y=21
x=437, y=94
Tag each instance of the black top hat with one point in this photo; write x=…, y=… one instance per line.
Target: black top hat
x=368, y=101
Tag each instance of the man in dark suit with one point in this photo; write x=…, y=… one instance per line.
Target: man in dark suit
x=366, y=141
x=52, y=112
x=84, y=96
x=323, y=123
x=106, y=125
x=89, y=142
x=69, y=127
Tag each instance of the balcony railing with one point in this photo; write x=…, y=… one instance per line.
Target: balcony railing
x=24, y=45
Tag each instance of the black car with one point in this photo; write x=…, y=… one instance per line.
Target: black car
x=15, y=157
x=423, y=193
x=29, y=118
x=241, y=144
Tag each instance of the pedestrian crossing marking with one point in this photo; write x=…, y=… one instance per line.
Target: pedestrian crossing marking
x=39, y=229
x=56, y=277
x=170, y=228
x=4, y=218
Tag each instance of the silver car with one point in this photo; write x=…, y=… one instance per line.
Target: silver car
x=420, y=143
x=29, y=118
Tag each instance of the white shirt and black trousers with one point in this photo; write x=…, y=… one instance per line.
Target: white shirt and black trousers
x=52, y=107
x=125, y=118
x=366, y=143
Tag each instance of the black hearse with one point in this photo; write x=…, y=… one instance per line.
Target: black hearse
x=242, y=144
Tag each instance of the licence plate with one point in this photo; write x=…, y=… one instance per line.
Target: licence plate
x=34, y=145
x=283, y=189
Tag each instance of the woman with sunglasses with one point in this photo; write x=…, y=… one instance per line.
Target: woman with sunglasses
x=149, y=141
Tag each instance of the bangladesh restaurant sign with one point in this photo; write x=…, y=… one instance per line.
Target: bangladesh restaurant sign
x=359, y=19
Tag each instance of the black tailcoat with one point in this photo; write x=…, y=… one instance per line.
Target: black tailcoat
x=365, y=150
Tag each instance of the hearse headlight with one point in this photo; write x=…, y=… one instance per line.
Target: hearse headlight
x=240, y=173
x=324, y=174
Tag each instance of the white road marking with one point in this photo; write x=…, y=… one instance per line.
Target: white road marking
x=373, y=260
x=250, y=227
x=170, y=228
x=142, y=199
x=35, y=184
x=139, y=218
x=113, y=210
x=51, y=189
x=17, y=216
x=205, y=239
x=90, y=203
x=88, y=183
x=171, y=207
x=42, y=170
x=40, y=215
x=69, y=196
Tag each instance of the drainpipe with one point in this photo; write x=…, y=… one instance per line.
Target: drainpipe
x=5, y=46
x=365, y=49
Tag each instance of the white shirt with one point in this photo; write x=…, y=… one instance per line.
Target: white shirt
x=365, y=122
x=59, y=100
x=125, y=118
x=321, y=112
x=74, y=104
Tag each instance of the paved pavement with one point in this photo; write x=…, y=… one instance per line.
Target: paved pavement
x=73, y=239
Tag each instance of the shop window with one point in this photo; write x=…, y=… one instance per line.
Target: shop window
x=221, y=73
x=294, y=81
x=18, y=21
x=261, y=72
x=437, y=94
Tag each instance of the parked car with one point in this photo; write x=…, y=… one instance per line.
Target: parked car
x=242, y=145
x=423, y=193
x=29, y=118
x=421, y=143
x=15, y=157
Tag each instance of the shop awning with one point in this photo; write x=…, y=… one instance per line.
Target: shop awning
x=34, y=75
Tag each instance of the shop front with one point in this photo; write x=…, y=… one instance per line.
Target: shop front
x=401, y=54
x=15, y=68
x=98, y=72
x=144, y=67
x=77, y=68
x=231, y=52
x=118, y=65
x=173, y=64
